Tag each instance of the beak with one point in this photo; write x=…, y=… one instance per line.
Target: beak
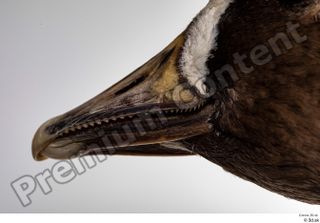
x=139, y=115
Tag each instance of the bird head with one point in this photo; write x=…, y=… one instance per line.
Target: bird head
x=239, y=86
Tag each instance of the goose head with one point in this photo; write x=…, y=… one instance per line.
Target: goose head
x=240, y=87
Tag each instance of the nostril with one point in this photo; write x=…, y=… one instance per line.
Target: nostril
x=143, y=77
x=130, y=86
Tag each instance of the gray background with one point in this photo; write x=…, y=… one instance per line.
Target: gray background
x=55, y=55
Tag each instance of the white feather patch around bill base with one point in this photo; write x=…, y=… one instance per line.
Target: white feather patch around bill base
x=200, y=41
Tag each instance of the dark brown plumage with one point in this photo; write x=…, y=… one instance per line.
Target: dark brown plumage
x=269, y=121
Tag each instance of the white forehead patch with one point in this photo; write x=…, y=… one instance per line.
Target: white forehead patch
x=200, y=40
